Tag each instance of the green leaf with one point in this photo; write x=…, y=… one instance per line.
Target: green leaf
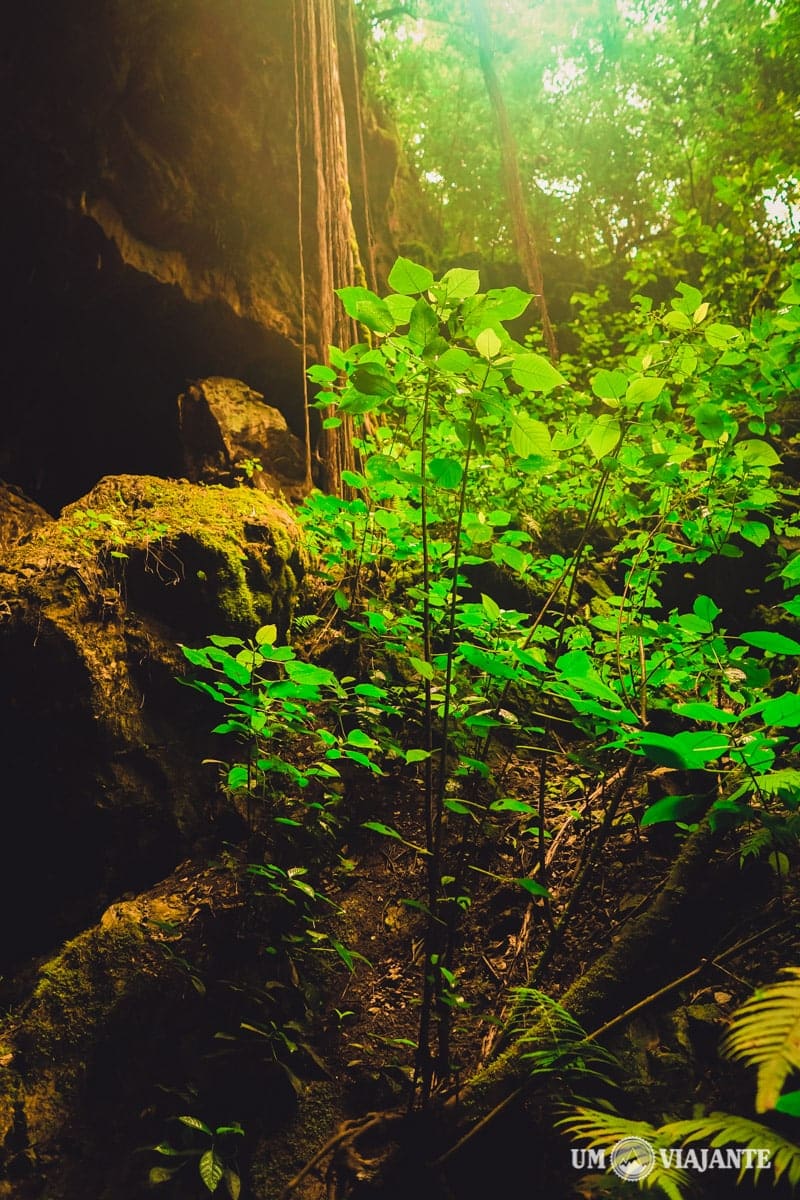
x=233, y=1183
x=310, y=675
x=784, y=783
x=718, y=335
x=518, y=560
x=791, y=572
x=344, y=955
x=415, y=756
x=532, y=887
x=505, y=304
x=490, y=607
x=211, y=1168
x=446, y=472
x=755, y=532
x=196, y=1123
x=321, y=374
x=529, y=437
x=774, y=643
x=789, y=1103
x=455, y=361
x=699, y=710
x=603, y=435
x=709, y=421
x=705, y=608
x=373, y=380
x=424, y=324
x=422, y=667
x=534, y=373
x=385, y=830
x=457, y=806
x=575, y=664
x=199, y=658
x=678, y=320
x=370, y=691
x=162, y=1174
x=673, y=808
x=782, y=710
x=610, y=385
x=754, y=453
x=509, y=804
x=644, y=390
x=266, y=635
x=364, y=306
x=490, y=663
x=690, y=301
x=671, y=751
x=409, y=278
x=400, y=307
x=488, y=344
x=357, y=737
x=458, y=283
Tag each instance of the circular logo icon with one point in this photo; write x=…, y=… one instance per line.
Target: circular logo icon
x=632, y=1158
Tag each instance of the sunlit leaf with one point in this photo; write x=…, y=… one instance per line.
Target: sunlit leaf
x=409, y=278
x=534, y=373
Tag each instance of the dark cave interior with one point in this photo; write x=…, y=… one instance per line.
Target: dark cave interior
x=97, y=354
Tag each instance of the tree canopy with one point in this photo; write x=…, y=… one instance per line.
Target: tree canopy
x=655, y=137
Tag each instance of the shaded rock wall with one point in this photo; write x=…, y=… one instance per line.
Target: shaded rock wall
x=149, y=227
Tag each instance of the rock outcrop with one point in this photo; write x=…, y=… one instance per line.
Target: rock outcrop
x=103, y=788
x=150, y=219
x=103, y=1017
x=228, y=433
x=19, y=516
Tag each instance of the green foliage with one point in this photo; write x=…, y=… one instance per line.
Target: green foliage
x=558, y=1043
x=89, y=530
x=602, y=1130
x=635, y=133
x=215, y=1157
x=763, y=1033
x=580, y=492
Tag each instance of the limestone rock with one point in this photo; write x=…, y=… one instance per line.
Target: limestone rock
x=101, y=745
x=19, y=516
x=229, y=434
x=150, y=223
x=100, y=1017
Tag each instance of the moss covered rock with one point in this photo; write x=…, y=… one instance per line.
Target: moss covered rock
x=103, y=1016
x=103, y=746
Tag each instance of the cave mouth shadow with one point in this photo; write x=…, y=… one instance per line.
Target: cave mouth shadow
x=96, y=354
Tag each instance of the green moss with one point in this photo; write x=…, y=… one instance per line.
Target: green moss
x=78, y=990
x=214, y=558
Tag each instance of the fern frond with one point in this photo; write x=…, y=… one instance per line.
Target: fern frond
x=722, y=1129
x=600, y=1129
x=765, y=1032
x=557, y=1041
x=755, y=844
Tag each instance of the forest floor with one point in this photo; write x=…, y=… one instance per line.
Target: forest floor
x=604, y=876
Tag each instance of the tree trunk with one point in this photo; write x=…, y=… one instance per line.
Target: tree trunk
x=322, y=144
x=523, y=233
